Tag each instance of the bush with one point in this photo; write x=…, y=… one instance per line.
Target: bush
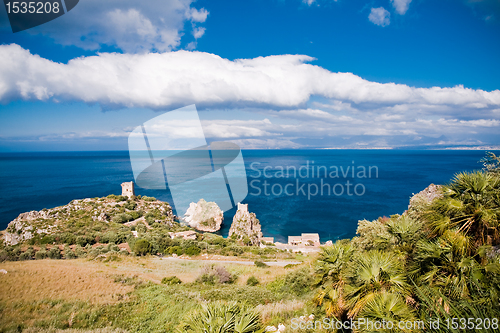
x=212, y=274
x=42, y=254
x=65, y=238
x=84, y=240
x=260, y=264
x=299, y=282
x=142, y=247
x=130, y=205
x=135, y=214
x=47, y=239
x=70, y=255
x=252, y=281
x=54, y=253
x=80, y=252
x=175, y=249
x=24, y=256
x=193, y=251
x=141, y=228
x=170, y=280
x=146, y=198
x=122, y=218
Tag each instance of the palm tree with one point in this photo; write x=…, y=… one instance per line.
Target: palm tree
x=330, y=272
x=372, y=273
x=388, y=307
x=471, y=204
x=220, y=317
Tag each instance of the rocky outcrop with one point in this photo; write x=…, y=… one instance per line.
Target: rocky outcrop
x=245, y=226
x=55, y=220
x=427, y=195
x=422, y=199
x=204, y=216
x=21, y=228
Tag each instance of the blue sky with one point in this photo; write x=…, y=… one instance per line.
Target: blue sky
x=263, y=73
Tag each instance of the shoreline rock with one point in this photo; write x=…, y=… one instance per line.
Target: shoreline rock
x=245, y=225
x=204, y=216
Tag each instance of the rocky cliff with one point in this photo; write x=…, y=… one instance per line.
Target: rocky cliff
x=204, y=216
x=245, y=226
x=420, y=201
x=80, y=216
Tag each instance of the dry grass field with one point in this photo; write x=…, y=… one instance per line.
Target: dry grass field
x=36, y=280
x=68, y=293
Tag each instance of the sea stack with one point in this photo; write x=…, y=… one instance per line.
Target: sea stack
x=204, y=216
x=245, y=226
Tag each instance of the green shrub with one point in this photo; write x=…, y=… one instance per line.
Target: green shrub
x=65, y=238
x=121, y=198
x=175, y=249
x=122, y=218
x=170, y=280
x=146, y=198
x=260, y=264
x=70, y=254
x=113, y=247
x=47, y=239
x=80, y=252
x=42, y=254
x=233, y=250
x=193, y=251
x=141, y=228
x=24, y=256
x=252, y=281
x=54, y=253
x=299, y=282
x=142, y=247
x=135, y=214
x=84, y=240
x=130, y=205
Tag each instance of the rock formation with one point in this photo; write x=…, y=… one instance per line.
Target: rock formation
x=422, y=199
x=53, y=221
x=204, y=216
x=245, y=225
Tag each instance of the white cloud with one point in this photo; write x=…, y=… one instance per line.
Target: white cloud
x=180, y=78
x=132, y=26
x=198, y=32
x=197, y=15
x=380, y=16
x=308, y=2
x=401, y=6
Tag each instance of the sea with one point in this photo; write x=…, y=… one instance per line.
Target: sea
x=290, y=191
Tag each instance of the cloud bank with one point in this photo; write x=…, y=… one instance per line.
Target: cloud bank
x=172, y=79
x=279, y=101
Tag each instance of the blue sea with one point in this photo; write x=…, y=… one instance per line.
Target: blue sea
x=381, y=185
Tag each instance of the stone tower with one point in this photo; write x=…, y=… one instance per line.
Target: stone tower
x=128, y=189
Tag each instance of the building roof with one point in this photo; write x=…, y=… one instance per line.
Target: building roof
x=313, y=237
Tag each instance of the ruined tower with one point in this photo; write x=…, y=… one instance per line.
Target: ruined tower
x=128, y=189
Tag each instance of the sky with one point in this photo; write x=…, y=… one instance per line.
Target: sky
x=264, y=74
